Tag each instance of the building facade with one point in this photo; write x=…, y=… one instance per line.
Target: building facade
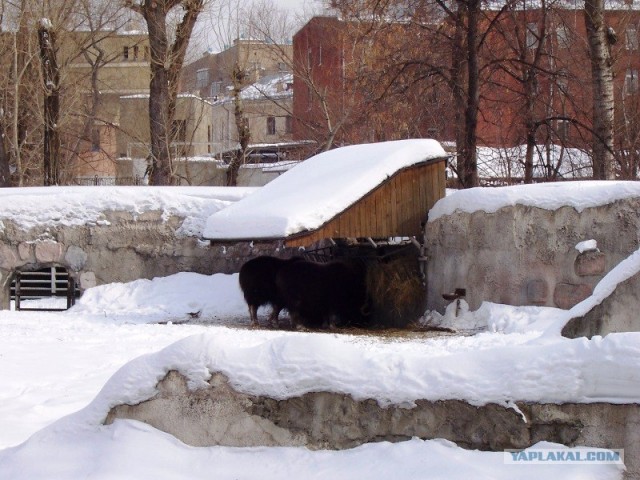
x=113, y=65
x=360, y=81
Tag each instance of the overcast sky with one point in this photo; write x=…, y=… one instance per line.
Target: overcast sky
x=206, y=37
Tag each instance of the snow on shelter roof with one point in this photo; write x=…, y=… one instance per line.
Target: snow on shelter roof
x=316, y=190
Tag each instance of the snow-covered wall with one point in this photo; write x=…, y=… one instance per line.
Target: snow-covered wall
x=115, y=234
x=545, y=245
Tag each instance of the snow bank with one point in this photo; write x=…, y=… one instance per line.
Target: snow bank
x=549, y=196
x=487, y=368
x=180, y=297
x=130, y=449
x=317, y=189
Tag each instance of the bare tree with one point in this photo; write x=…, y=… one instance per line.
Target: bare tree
x=238, y=77
x=51, y=78
x=255, y=40
x=21, y=92
x=167, y=58
x=5, y=171
x=458, y=27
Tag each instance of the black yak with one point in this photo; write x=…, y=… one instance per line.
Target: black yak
x=321, y=294
x=258, y=283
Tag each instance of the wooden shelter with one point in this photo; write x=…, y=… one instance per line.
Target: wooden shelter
x=397, y=207
x=369, y=191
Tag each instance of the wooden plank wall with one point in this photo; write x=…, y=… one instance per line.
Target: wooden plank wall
x=393, y=209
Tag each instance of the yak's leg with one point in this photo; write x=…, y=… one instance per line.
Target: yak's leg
x=296, y=320
x=273, y=321
x=253, y=314
x=330, y=322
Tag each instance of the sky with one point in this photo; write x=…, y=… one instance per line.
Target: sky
x=62, y=372
x=216, y=27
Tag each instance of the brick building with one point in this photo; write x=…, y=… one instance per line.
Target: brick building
x=337, y=102
x=210, y=75
x=122, y=70
x=266, y=95
x=549, y=103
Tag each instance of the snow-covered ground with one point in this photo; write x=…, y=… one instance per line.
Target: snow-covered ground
x=61, y=372
x=110, y=349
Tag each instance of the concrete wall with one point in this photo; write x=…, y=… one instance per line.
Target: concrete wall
x=617, y=313
x=219, y=415
x=526, y=256
x=120, y=249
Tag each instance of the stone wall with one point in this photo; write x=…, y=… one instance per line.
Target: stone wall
x=524, y=255
x=220, y=415
x=617, y=313
x=122, y=248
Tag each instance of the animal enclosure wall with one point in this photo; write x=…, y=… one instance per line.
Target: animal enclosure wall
x=121, y=248
x=523, y=255
x=395, y=208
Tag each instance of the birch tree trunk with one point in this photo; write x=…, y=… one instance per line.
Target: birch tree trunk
x=5, y=173
x=602, y=84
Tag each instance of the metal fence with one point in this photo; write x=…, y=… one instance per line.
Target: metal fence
x=108, y=181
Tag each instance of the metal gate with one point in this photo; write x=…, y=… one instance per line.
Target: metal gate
x=43, y=283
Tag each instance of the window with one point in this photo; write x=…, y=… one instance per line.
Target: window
x=562, y=81
x=562, y=129
x=563, y=36
x=631, y=81
x=271, y=125
x=95, y=139
x=215, y=88
x=145, y=53
x=202, y=78
x=288, y=124
x=433, y=96
x=532, y=35
x=135, y=52
x=631, y=38
x=255, y=67
x=125, y=53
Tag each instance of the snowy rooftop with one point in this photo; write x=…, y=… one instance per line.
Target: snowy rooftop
x=314, y=191
x=276, y=86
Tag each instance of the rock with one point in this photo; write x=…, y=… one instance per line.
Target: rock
x=566, y=295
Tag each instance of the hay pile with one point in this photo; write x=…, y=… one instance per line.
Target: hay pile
x=396, y=291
